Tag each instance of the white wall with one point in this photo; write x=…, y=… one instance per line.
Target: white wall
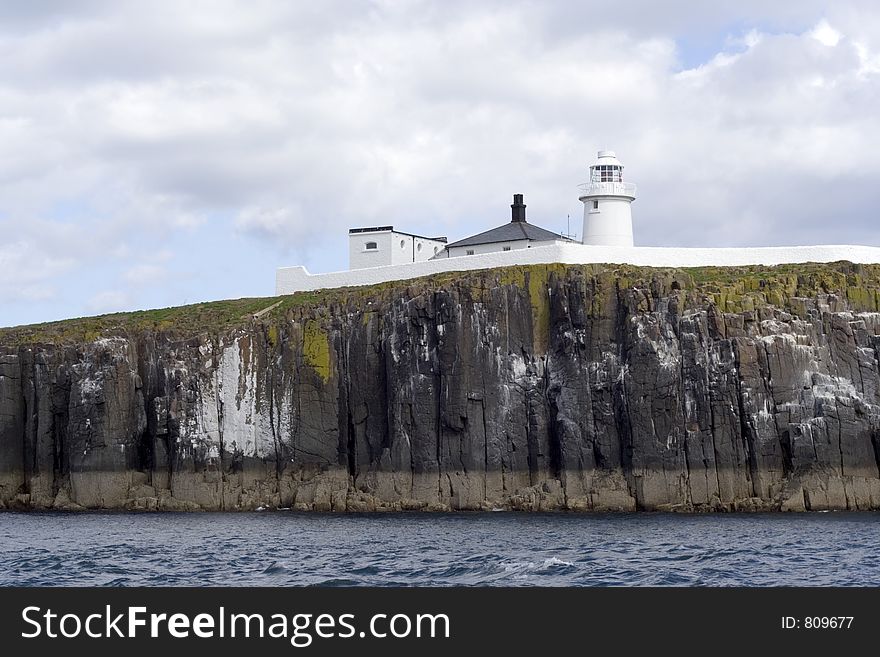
x=495, y=247
x=424, y=249
x=298, y=279
x=359, y=257
x=479, y=249
x=610, y=224
x=393, y=248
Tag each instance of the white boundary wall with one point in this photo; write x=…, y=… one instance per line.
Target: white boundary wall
x=297, y=279
x=480, y=249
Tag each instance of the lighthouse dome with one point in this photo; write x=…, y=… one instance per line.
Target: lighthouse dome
x=607, y=158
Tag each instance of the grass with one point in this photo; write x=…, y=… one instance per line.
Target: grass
x=184, y=320
x=731, y=289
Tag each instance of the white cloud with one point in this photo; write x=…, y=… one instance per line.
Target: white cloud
x=146, y=274
x=109, y=301
x=27, y=273
x=286, y=225
x=825, y=34
x=128, y=130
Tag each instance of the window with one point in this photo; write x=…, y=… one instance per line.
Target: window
x=607, y=173
x=595, y=205
x=507, y=248
x=402, y=243
x=371, y=246
x=436, y=249
x=419, y=247
x=469, y=252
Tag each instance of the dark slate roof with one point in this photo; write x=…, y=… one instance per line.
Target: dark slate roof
x=514, y=230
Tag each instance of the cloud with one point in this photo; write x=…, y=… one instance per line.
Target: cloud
x=27, y=273
x=154, y=272
x=287, y=225
x=109, y=301
x=130, y=131
x=825, y=34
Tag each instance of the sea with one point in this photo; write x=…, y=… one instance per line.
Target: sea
x=282, y=548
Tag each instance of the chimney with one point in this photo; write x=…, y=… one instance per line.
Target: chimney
x=518, y=209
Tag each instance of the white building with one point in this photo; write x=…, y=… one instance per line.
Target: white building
x=382, y=245
x=380, y=255
x=607, y=204
x=512, y=236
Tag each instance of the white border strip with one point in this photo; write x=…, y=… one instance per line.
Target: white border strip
x=297, y=279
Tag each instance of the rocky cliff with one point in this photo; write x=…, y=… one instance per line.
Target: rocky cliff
x=540, y=388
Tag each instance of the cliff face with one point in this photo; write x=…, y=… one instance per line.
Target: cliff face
x=540, y=388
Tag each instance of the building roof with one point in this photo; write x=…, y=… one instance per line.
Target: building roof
x=514, y=230
x=517, y=229
x=386, y=229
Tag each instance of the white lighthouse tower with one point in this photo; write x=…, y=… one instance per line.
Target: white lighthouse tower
x=607, y=200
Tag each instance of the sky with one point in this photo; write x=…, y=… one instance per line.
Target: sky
x=160, y=153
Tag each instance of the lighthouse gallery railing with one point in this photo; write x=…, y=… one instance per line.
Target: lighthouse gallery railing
x=607, y=189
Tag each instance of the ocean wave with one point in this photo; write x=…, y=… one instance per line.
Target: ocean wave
x=547, y=564
x=495, y=549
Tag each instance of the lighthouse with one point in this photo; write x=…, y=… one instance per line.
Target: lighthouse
x=607, y=200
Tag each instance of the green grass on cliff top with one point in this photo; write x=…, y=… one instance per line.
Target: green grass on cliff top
x=731, y=288
x=187, y=319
